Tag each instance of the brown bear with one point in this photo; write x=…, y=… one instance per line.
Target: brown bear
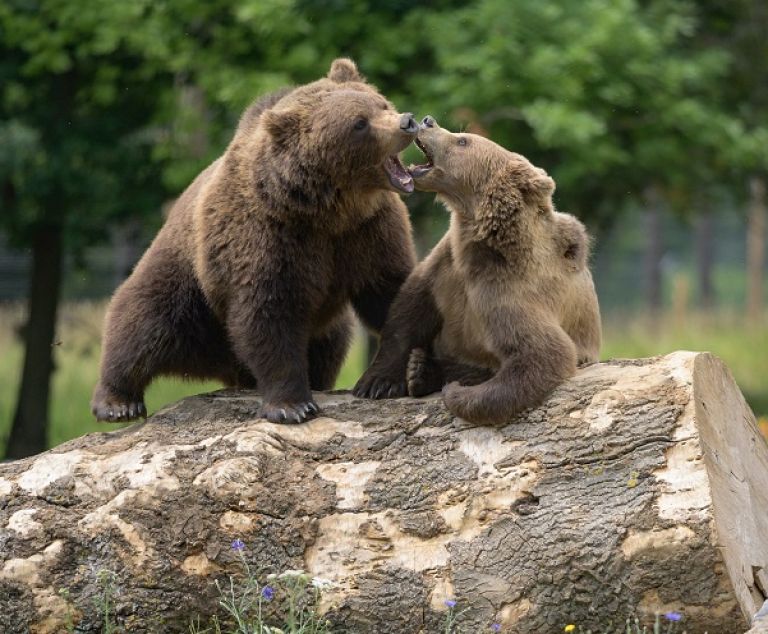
x=251, y=279
x=504, y=304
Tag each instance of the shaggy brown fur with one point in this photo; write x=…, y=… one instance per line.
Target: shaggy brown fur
x=251, y=279
x=504, y=300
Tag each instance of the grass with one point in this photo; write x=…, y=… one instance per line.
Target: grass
x=79, y=331
x=725, y=334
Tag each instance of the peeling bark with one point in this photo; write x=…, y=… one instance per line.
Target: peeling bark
x=638, y=486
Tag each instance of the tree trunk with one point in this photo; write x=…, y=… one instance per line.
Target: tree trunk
x=638, y=486
x=756, y=224
x=705, y=258
x=654, y=251
x=30, y=422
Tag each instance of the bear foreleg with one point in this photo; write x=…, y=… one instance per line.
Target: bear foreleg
x=414, y=321
x=327, y=353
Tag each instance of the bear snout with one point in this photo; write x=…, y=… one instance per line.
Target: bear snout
x=428, y=122
x=408, y=123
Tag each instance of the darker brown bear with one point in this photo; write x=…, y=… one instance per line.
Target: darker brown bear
x=504, y=304
x=253, y=276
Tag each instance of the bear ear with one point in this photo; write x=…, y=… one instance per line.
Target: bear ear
x=344, y=69
x=541, y=183
x=572, y=241
x=282, y=125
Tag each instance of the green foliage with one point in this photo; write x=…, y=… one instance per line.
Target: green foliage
x=104, y=601
x=609, y=96
x=77, y=101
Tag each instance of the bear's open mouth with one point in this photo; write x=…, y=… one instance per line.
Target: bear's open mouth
x=398, y=175
x=420, y=170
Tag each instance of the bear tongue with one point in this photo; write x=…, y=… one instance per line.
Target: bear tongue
x=398, y=175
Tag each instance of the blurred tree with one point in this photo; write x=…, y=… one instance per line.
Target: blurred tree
x=705, y=254
x=740, y=29
x=756, y=227
x=749, y=45
x=604, y=94
x=654, y=251
x=77, y=98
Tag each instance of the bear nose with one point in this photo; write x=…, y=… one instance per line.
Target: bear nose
x=408, y=123
x=428, y=122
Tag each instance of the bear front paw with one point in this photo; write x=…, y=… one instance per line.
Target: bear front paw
x=289, y=412
x=375, y=385
x=109, y=407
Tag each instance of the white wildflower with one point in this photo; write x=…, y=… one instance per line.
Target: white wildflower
x=294, y=574
x=321, y=584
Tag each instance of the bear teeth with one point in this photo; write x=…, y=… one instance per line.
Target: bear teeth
x=419, y=170
x=398, y=176
x=424, y=150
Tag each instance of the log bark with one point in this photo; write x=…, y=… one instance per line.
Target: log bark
x=639, y=486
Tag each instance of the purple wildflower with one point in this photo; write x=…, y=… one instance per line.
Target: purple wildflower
x=496, y=627
x=673, y=616
x=238, y=545
x=268, y=593
x=450, y=603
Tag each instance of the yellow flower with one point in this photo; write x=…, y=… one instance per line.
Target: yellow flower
x=570, y=627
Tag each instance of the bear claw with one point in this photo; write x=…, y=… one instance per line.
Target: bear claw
x=118, y=412
x=291, y=413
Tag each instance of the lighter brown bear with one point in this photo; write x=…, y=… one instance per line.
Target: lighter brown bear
x=504, y=307
x=253, y=278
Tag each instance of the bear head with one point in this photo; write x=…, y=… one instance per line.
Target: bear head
x=498, y=192
x=338, y=134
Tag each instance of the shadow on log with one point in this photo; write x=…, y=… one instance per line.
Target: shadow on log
x=639, y=486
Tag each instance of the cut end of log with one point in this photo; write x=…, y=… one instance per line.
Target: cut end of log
x=640, y=486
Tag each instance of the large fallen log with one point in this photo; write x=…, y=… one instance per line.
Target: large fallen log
x=639, y=486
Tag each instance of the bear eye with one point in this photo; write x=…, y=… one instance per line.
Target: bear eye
x=361, y=124
x=462, y=140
